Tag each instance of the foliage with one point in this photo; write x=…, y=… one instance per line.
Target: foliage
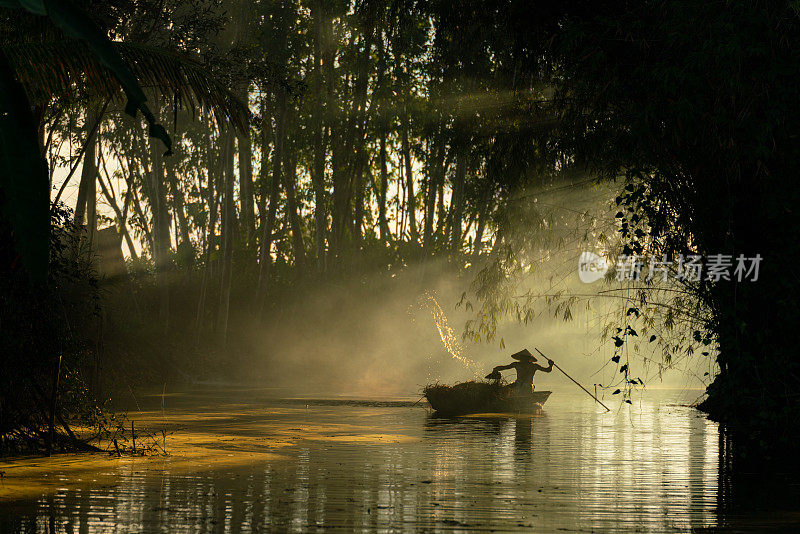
x=51, y=69
x=705, y=136
x=21, y=165
x=77, y=25
x=42, y=324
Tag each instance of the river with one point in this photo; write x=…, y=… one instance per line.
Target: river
x=240, y=460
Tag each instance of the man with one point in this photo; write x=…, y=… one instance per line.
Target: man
x=526, y=367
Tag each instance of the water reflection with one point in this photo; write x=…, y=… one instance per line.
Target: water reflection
x=653, y=467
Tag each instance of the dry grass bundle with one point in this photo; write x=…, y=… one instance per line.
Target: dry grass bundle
x=466, y=397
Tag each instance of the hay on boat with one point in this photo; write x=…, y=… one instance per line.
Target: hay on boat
x=466, y=397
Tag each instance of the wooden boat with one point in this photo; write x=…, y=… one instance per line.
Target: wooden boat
x=521, y=403
x=482, y=397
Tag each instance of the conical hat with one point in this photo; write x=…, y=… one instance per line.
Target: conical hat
x=524, y=355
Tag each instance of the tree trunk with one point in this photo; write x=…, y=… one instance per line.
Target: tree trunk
x=178, y=206
x=442, y=218
x=228, y=237
x=457, y=202
x=121, y=216
x=91, y=200
x=161, y=230
x=207, y=271
x=86, y=189
x=411, y=202
x=289, y=183
x=208, y=267
x=133, y=191
x=341, y=179
x=401, y=198
x=277, y=169
x=318, y=170
x=383, y=222
x=246, y=185
x=483, y=213
x=360, y=137
x=267, y=137
x=435, y=171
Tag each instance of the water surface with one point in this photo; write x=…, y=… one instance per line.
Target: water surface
x=241, y=461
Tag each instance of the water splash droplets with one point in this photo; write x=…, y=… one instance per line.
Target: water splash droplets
x=428, y=301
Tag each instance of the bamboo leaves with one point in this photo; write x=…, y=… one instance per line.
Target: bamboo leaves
x=76, y=24
x=51, y=69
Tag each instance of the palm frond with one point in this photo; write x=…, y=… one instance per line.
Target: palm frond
x=48, y=70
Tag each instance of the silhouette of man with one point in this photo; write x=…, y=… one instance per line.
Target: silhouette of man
x=526, y=367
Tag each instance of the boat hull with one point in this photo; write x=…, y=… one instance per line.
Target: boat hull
x=520, y=403
x=445, y=402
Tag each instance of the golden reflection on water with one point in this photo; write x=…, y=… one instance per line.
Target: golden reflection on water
x=256, y=464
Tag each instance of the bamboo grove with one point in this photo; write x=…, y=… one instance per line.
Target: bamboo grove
x=291, y=145
x=309, y=139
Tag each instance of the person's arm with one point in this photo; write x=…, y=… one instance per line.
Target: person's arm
x=495, y=374
x=546, y=369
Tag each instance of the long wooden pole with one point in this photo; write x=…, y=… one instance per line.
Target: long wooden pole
x=576, y=382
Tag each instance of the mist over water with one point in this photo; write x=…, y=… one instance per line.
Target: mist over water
x=379, y=335
x=392, y=339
